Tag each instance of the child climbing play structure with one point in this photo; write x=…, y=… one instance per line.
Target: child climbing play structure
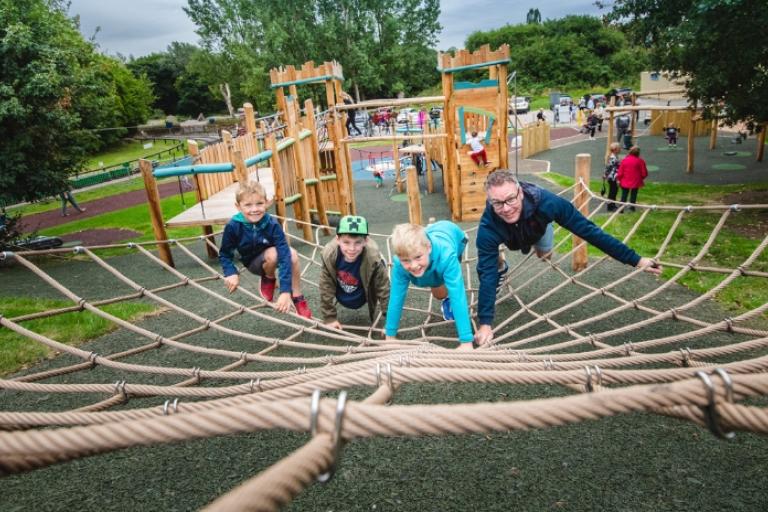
x=297, y=158
x=473, y=106
x=303, y=156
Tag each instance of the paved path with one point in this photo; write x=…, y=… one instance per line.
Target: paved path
x=38, y=221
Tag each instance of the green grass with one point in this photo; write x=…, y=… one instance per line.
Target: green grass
x=135, y=218
x=733, y=245
x=129, y=150
x=135, y=183
x=17, y=351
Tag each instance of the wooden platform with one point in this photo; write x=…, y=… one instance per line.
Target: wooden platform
x=219, y=208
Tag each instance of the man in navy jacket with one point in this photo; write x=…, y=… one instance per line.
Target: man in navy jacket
x=520, y=215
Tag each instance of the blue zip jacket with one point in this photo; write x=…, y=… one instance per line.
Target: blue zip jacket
x=540, y=207
x=250, y=240
x=448, y=241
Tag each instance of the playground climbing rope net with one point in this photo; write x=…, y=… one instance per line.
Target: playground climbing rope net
x=620, y=341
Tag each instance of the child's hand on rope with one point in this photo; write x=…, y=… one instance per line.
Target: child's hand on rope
x=335, y=324
x=484, y=335
x=465, y=346
x=232, y=282
x=283, y=302
x=391, y=338
x=649, y=265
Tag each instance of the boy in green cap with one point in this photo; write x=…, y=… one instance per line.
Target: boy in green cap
x=353, y=273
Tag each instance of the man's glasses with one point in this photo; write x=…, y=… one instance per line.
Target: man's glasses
x=510, y=201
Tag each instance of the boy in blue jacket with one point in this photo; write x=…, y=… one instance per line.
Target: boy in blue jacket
x=430, y=257
x=520, y=215
x=260, y=241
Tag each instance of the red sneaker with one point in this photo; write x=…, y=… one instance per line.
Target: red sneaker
x=267, y=287
x=302, y=308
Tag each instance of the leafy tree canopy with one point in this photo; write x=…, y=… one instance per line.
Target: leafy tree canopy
x=716, y=45
x=384, y=46
x=179, y=87
x=56, y=92
x=572, y=51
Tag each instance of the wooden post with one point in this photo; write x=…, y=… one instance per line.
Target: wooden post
x=277, y=176
x=414, y=199
x=502, y=125
x=635, y=117
x=428, y=150
x=691, y=140
x=349, y=180
x=610, y=129
x=250, y=121
x=155, y=211
x=334, y=131
x=301, y=183
x=194, y=151
x=713, y=135
x=396, y=163
x=330, y=93
x=319, y=197
x=579, y=259
x=761, y=143
x=280, y=100
x=241, y=172
x=450, y=165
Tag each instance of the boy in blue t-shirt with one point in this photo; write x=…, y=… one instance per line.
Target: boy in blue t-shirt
x=430, y=257
x=353, y=273
x=260, y=241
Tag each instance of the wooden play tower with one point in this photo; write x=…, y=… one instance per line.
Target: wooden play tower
x=473, y=106
x=332, y=164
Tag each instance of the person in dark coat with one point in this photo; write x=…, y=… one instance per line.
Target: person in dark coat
x=519, y=215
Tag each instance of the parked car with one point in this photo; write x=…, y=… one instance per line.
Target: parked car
x=408, y=115
x=598, y=98
x=559, y=99
x=519, y=104
x=361, y=117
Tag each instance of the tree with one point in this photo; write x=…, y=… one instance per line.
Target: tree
x=162, y=73
x=59, y=99
x=178, y=86
x=533, y=16
x=383, y=45
x=41, y=81
x=577, y=51
x=716, y=47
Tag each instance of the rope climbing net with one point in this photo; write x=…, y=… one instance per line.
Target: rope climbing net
x=212, y=364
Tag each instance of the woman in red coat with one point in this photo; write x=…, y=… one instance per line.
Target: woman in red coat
x=631, y=175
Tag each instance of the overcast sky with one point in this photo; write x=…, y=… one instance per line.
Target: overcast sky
x=140, y=27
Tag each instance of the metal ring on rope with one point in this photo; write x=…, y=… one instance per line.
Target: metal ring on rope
x=175, y=406
x=314, y=410
x=710, y=410
x=120, y=389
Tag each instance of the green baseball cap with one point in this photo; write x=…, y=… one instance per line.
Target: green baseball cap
x=352, y=225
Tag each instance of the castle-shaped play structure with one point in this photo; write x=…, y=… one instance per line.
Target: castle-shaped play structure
x=302, y=154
